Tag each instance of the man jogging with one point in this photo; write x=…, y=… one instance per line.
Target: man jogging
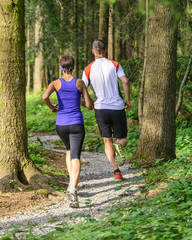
x=102, y=74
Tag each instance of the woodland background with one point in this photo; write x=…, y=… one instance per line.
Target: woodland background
x=152, y=40
x=56, y=28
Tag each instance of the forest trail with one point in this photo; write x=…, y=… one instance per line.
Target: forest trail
x=97, y=193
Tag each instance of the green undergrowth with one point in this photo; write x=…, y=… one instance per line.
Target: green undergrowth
x=166, y=215
x=39, y=116
x=37, y=153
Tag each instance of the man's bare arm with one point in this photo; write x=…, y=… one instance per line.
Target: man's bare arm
x=126, y=88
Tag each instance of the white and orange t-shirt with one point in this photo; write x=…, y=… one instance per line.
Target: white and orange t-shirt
x=103, y=75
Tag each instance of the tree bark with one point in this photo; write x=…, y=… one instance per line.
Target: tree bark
x=76, y=39
x=141, y=92
x=28, y=62
x=16, y=168
x=38, y=73
x=110, y=32
x=118, y=35
x=157, y=137
x=103, y=21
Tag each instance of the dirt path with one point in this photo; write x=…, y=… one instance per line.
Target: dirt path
x=97, y=193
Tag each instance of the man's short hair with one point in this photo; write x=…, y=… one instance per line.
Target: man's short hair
x=99, y=46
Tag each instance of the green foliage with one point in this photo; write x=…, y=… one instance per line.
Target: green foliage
x=182, y=63
x=89, y=120
x=39, y=116
x=132, y=68
x=93, y=143
x=132, y=138
x=36, y=153
x=184, y=139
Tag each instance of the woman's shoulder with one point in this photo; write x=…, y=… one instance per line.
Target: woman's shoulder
x=80, y=81
x=57, y=84
x=80, y=84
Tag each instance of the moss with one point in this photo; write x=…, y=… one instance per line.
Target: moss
x=16, y=11
x=42, y=192
x=12, y=7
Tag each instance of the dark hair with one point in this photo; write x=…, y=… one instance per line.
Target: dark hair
x=99, y=46
x=67, y=62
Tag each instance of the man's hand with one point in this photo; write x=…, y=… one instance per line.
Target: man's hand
x=127, y=105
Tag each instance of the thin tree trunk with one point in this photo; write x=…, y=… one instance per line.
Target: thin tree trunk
x=28, y=62
x=180, y=97
x=38, y=73
x=86, y=34
x=118, y=35
x=76, y=39
x=142, y=87
x=110, y=33
x=103, y=26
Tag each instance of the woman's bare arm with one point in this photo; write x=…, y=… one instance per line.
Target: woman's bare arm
x=50, y=89
x=88, y=102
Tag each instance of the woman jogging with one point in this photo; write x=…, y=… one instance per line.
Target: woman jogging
x=69, y=122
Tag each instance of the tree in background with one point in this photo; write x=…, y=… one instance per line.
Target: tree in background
x=157, y=136
x=103, y=21
x=16, y=168
x=38, y=72
x=111, y=33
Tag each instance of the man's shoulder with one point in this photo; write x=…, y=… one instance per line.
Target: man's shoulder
x=89, y=65
x=116, y=64
x=88, y=69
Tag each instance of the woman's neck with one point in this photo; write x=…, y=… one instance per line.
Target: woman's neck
x=67, y=76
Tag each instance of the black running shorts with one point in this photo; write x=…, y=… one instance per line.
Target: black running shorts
x=112, y=123
x=73, y=137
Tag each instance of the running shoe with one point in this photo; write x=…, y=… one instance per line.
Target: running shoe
x=119, y=155
x=118, y=177
x=69, y=187
x=73, y=199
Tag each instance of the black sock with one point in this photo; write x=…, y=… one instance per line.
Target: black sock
x=117, y=170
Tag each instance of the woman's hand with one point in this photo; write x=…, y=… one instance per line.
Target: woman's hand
x=55, y=108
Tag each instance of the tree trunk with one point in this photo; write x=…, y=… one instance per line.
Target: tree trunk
x=110, y=33
x=103, y=20
x=28, y=63
x=86, y=33
x=142, y=88
x=118, y=35
x=16, y=168
x=76, y=39
x=38, y=73
x=157, y=137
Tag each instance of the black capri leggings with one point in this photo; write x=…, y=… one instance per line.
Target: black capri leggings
x=73, y=137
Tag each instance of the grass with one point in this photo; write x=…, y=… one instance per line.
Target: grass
x=39, y=117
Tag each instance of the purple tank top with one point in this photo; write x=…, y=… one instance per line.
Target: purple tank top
x=69, y=98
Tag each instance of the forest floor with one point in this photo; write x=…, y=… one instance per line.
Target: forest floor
x=19, y=201
x=97, y=191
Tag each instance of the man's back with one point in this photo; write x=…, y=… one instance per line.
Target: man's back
x=103, y=75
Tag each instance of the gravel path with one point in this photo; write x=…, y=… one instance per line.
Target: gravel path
x=97, y=193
